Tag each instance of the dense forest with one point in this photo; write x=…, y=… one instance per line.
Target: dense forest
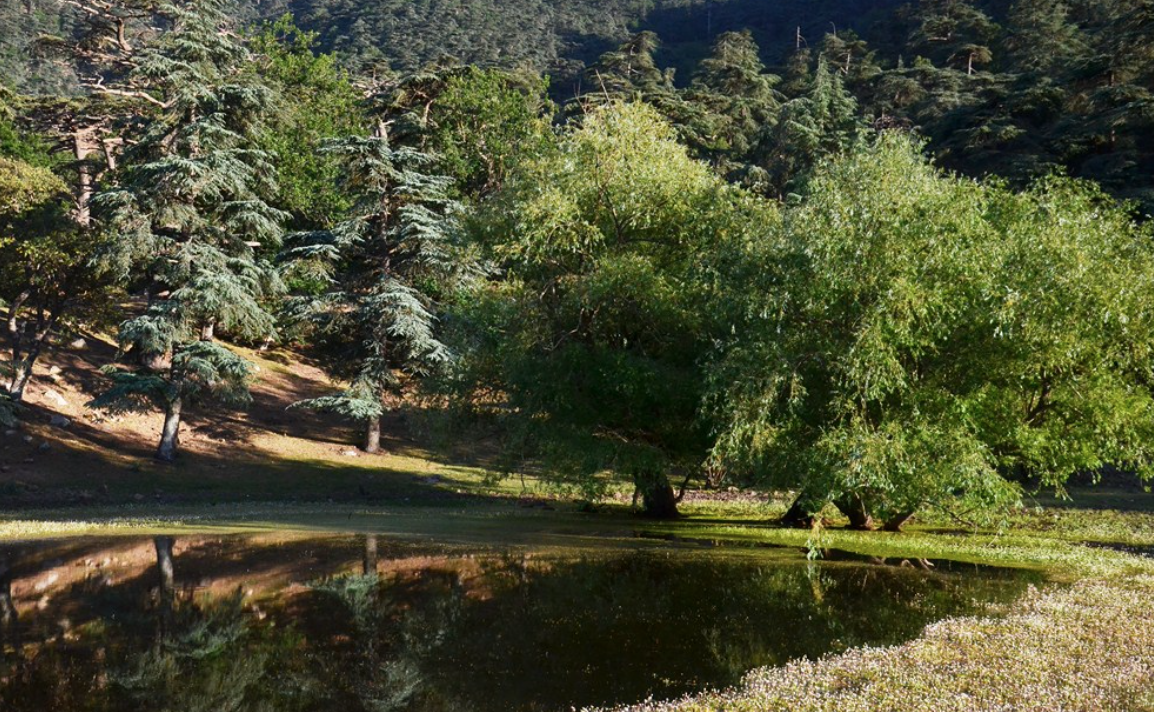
x=766, y=268
x=1015, y=89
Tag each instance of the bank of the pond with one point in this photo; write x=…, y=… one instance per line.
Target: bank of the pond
x=1084, y=647
x=1088, y=647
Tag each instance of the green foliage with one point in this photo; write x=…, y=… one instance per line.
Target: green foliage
x=199, y=370
x=189, y=212
x=47, y=281
x=630, y=73
x=822, y=122
x=485, y=122
x=316, y=102
x=386, y=267
x=211, y=661
x=913, y=339
x=736, y=88
x=590, y=344
x=23, y=186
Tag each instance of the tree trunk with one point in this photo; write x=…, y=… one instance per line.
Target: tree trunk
x=657, y=497
x=896, y=522
x=373, y=435
x=369, y=565
x=854, y=507
x=208, y=331
x=170, y=434
x=21, y=372
x=156, y=362
x=21, y=367
x=84, y=142
x=798, y=514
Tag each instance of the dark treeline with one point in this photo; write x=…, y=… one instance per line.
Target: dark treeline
x=752, y=276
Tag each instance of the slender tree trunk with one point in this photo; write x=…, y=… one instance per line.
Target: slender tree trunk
x=84, y=142
x=24, y=358
x=373, y=435
x=170, y=434
x=21, y=372
x=166, y=584
x=657, y=497
x=369, y=565
x=854, y=507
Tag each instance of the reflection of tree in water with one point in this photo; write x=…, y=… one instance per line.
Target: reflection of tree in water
x=9, y=619
x=445, y=633
x=208, y=656
x=547, y=634
x=163, y=651
x=396, y=627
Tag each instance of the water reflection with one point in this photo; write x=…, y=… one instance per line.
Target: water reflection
x=364, y=623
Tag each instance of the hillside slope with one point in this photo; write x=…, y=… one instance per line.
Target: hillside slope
x=264, y=451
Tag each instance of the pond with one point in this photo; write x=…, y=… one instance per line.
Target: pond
x=364, y=622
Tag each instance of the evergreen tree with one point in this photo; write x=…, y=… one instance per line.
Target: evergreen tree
x=190, y=215
x=739, y=94
x=821, y=123
x=190, y=209
x=382, y=272
x=183, y=371
x=852, y=57
x=953, y=33
x=1041, y=38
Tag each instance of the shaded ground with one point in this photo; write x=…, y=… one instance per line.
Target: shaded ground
x=263, y=452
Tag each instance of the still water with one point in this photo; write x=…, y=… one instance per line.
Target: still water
x=344, y=622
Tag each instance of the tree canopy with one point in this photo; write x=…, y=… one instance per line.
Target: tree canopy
x=913, y=339
x=592, y=339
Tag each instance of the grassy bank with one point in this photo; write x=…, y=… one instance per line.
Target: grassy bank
x=1088, y=647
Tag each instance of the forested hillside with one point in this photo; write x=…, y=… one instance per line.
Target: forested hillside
x=555, y=37
x=1016, y=89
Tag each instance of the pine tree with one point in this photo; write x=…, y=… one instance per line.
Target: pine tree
x=738, y=92
x=383, y=268
x=1042, y=38
x=954, y=33
x=185, y=371
x=189, y=213
x=823, y=122
x=628, y=72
